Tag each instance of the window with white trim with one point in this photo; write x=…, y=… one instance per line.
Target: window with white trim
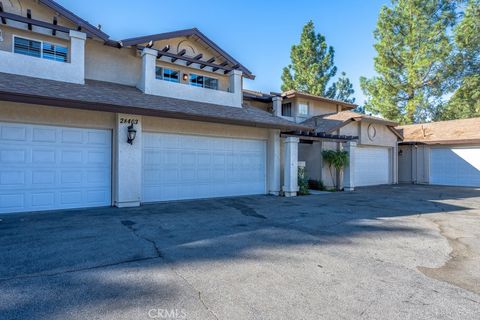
x=203, y=81
x=40, y=49
x=303, y=109
x=167, y=74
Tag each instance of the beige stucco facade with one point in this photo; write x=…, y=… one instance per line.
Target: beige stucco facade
x=382, y=137
x=55, y=116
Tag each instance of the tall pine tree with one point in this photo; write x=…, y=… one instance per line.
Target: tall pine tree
x=465, y=103
x=312, y=65
x=344, y=89
x=414, y=51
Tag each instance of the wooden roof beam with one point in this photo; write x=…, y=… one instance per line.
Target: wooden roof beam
x=29, y=16
x=180, y=54
x=175, y=57
x=223, y=64
x=233, y=68
x=165, y=49
x=55, y=22
x=33, y=22
x=197, y=57
x=211, y=60
x=4, y=21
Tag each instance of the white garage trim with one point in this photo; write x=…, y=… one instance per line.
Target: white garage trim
x=455, y=166
x=373, y=166
x=51, y=167
x=177, y=166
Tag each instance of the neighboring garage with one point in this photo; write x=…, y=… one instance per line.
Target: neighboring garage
x=51, y=167
x=441, y=153
x=177, y=166
x=455, y=166
x=370, y=141
x=373, y=166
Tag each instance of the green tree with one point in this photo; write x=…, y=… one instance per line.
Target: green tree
x=344, y=89
x=338, y=160
x=413, y=62
x=465, y=103
x=312, y=65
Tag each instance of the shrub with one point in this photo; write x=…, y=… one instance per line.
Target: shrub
x=335, y=159
x=302, y=182
x=316, y=185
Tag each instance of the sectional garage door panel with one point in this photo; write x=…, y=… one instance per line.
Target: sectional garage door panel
x=372, y=166
x=46, y=167
x=455, y=166
x=179, y=167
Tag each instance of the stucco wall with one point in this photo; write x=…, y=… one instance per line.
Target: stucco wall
x=257, y=104
x=351, y=129
x=26, y=113
x=312, y=155
x=153, y=124
x=383, y=137
x=110, y=64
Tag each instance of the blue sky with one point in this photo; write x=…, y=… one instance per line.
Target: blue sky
x=258, y=33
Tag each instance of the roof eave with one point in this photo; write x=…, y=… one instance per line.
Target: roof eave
x=76, y=19
x=185, y=33
x=105, y=107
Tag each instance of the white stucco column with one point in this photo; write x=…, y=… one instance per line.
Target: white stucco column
x=277, y=106
x=273, y=162
x=149, y=58
x=290, y=170
x=128, y=162
x=349, y=171
x=77, y=55
x=236, y=78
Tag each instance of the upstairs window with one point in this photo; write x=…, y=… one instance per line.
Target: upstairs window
x=303, y=109
x=27, y=47
x=287, y=109
x=54, y=52
x=167, y=74
x=203, y=82
x=40, y=49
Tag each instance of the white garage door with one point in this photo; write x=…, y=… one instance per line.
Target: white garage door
x=188, y=167
x=372, y=166
x=46, y=167
x=455, y=166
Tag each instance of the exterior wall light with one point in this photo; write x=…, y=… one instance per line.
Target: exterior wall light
x=131, y=134
x=185, y=76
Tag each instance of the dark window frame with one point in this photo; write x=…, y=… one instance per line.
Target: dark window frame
x=287, y=109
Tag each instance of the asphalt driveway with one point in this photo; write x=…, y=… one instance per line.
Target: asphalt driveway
x=399, y=252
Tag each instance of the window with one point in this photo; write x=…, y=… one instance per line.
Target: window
x=287, y=109
x=303, y=109
x=167, y=74
x=40, y=49
x=27, y=47
x=204, y=82
x=54, y=52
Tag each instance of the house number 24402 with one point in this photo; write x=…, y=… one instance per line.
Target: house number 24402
x=129, y=121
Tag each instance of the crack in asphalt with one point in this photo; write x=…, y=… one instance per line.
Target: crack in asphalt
x=460, y=254
x=130, y=225
x=53, y=274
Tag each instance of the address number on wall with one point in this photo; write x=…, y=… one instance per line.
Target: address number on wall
x=129, y=121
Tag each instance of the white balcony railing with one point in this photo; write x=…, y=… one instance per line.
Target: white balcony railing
x=72, y=71
x=149, y=84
